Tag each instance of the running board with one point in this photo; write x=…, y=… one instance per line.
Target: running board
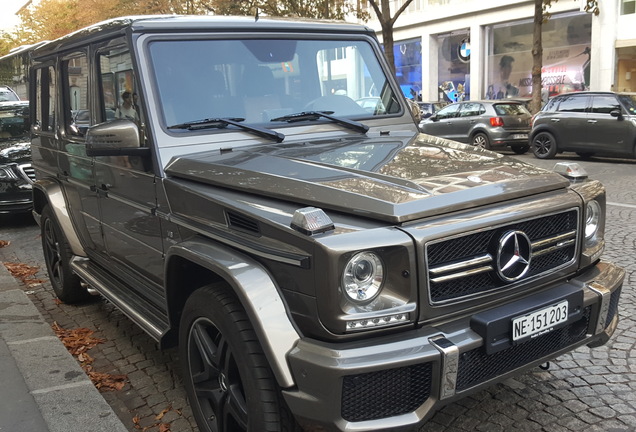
x=122, y=297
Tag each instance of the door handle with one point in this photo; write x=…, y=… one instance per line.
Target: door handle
x=555, y=120
x=592, y=121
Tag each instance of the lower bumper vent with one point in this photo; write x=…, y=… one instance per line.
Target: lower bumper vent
x=386, y=393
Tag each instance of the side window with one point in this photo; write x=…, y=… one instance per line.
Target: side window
x=573, y=104
x=470, y=109
x=118, y=96
x=45, y=98
x=605, y=104
x=448, y=112
x=77, y=116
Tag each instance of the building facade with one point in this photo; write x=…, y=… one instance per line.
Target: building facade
x=482, y=49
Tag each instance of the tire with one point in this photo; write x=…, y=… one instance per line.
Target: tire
x=521, y=149
x=481, y=140
x=544, y=145
x=57, y=256
x=585, y=155
x=235, y=390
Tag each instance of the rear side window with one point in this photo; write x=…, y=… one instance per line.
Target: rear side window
x=45, y=98
x=573, y=104
x=470, y=109
x=510, y=109
x=604, y=104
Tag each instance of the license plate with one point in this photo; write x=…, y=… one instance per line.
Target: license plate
x=540, y=321
x=520, y=136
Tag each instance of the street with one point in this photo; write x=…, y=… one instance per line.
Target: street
x=587, y=390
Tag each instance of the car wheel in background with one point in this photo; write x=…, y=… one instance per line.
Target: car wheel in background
x=481, y=140
x=544, y=145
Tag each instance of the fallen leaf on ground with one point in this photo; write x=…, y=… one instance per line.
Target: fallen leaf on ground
x=4, y=243
x=23, y=272
x=163, y=413
x=77, y=342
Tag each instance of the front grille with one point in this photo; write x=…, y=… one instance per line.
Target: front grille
x=385, y=393
x=467, y=265
x=27, y=172
x=476, y=367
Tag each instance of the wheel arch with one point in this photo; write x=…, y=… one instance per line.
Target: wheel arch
x=49, y=192
x=197, y=262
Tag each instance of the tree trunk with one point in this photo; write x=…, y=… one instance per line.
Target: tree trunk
x=537, y=57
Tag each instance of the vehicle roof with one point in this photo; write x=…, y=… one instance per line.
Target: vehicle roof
x=590, y=92
x=196, y=23
x=489, y=101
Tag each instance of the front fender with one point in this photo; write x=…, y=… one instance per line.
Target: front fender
x=46, y=191
x=256, y=291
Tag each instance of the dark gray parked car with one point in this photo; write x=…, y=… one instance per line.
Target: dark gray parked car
x=486, y=124
x=16, y=173
x=317, y=264
x=587, y=123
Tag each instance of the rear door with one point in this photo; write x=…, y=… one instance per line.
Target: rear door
x=468, y=117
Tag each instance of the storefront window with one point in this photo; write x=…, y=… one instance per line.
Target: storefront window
x=566, y=57
x=454, y=66
x=628, y=7
x=408, y=67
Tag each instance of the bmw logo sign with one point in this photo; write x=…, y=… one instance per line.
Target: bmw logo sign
x=464, y=50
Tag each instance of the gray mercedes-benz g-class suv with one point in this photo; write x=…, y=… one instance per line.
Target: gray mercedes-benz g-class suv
x=317, y=263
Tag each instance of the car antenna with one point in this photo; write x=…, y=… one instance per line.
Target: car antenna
x=256, y=16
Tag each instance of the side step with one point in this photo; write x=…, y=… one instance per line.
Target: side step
x=152, y=321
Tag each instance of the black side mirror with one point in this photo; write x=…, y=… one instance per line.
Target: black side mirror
x=616, y=113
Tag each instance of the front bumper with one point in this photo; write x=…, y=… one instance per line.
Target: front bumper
x=396, y=382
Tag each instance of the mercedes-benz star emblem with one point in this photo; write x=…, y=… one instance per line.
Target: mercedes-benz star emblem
x=514, y=256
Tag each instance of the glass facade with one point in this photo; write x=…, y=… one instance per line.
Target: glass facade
x=454, y=66
x=566, y=56
x=408, y=67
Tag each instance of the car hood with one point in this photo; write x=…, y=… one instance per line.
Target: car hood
x=15, y=150
x=387, y=178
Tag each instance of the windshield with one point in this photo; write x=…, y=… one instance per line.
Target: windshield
x=8, y=95
x=14, y=122
x=629, y=101
x=256, y=81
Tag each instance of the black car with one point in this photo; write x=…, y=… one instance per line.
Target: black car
x=587, y=123
x=487, y=124
x=16, y=174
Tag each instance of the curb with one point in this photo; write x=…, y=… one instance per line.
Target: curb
x=46, y=388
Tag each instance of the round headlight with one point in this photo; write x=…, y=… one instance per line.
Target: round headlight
x=363, y=276
x=592, y=219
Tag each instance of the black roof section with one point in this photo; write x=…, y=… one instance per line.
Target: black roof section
x=196, y=23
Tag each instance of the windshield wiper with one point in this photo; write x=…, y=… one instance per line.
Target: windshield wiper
x=221, y=123
x=315, y=115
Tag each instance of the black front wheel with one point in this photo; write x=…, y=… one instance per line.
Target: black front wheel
x=227, y=378
x=57, y=256
x=544, y=145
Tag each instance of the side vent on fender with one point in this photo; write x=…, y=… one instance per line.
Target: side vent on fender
x=242, y=223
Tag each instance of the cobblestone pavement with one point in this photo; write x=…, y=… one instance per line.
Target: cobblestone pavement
x=587, y=390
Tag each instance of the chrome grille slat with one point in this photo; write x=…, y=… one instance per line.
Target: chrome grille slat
x=466, y=266
x=27, y=172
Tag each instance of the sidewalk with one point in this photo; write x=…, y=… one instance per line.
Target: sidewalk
x=43, y=387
